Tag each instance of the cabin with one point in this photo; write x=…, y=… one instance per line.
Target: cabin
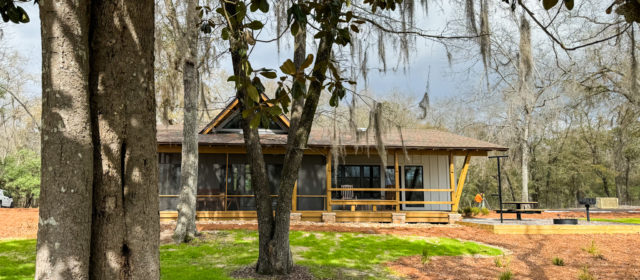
x=415, y=180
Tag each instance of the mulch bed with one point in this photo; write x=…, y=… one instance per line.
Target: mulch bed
x=529, y=256
x=18, y=223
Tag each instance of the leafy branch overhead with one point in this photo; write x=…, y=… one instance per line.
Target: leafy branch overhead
x=629, y=9
x=10, y=12
x=240, y=23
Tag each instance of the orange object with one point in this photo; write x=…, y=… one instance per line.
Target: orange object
x=478, y=198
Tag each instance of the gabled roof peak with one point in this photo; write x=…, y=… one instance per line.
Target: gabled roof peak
x=232, y=111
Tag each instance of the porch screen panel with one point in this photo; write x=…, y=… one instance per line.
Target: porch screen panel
x=239, y=188
x=312, y=184
x=414, y=179
x=358, y=176
x=168, y=181
x=211, y=184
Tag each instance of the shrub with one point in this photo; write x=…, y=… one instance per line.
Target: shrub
x=467, y=212
x=585, y=274
x=497, y=261
x=506, y=275
x=557, y=261
x=593, y=250
x=502, y=261
x=484, y=211
x=425, y=255
x=475, y=211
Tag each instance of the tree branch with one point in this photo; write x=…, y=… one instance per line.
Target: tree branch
x=23, y=106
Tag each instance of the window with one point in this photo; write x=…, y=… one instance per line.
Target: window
x=234, y=123
x=413, y=179
x=358, y=176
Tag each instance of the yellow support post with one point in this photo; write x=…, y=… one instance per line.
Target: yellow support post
x=461, y=179
x=295, y=197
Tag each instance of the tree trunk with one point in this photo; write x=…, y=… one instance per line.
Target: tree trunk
x=186, y=225
x=525, y=91
x=524, y=149
x=259, y=180
x=64, y=227
x=125, y=229
x=513, y=193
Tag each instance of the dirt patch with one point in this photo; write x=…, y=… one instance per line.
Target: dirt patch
x=18, y=223
x=249, y=272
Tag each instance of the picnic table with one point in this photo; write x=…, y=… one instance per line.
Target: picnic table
x=519, y=211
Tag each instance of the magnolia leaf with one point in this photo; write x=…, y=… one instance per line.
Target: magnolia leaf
x=252, y=91
x=264, y=6
x=225, y=33
x=255, y=25
x=255, y=122
x=269, y=75
x=548, y=4
x=246, y=113
x=307, y=62
x=568, y=4
x=254, y=6
x=241, y=11
x=288, y=67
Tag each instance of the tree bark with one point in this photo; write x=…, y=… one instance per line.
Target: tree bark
x=64, y=227
x=99, y=154
x=125, y=229
x=186, y=226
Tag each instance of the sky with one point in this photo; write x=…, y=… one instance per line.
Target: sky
x=428, y=59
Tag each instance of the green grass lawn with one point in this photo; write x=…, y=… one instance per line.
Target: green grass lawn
x=218, y=253
x=619, y=220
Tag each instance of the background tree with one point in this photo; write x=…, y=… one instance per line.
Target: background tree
x=186, y=225
x=20, y=175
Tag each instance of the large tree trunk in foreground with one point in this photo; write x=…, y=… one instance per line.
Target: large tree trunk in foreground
x=99, y=207
x=186, y=226
x=125, y=230
x=64, y=229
